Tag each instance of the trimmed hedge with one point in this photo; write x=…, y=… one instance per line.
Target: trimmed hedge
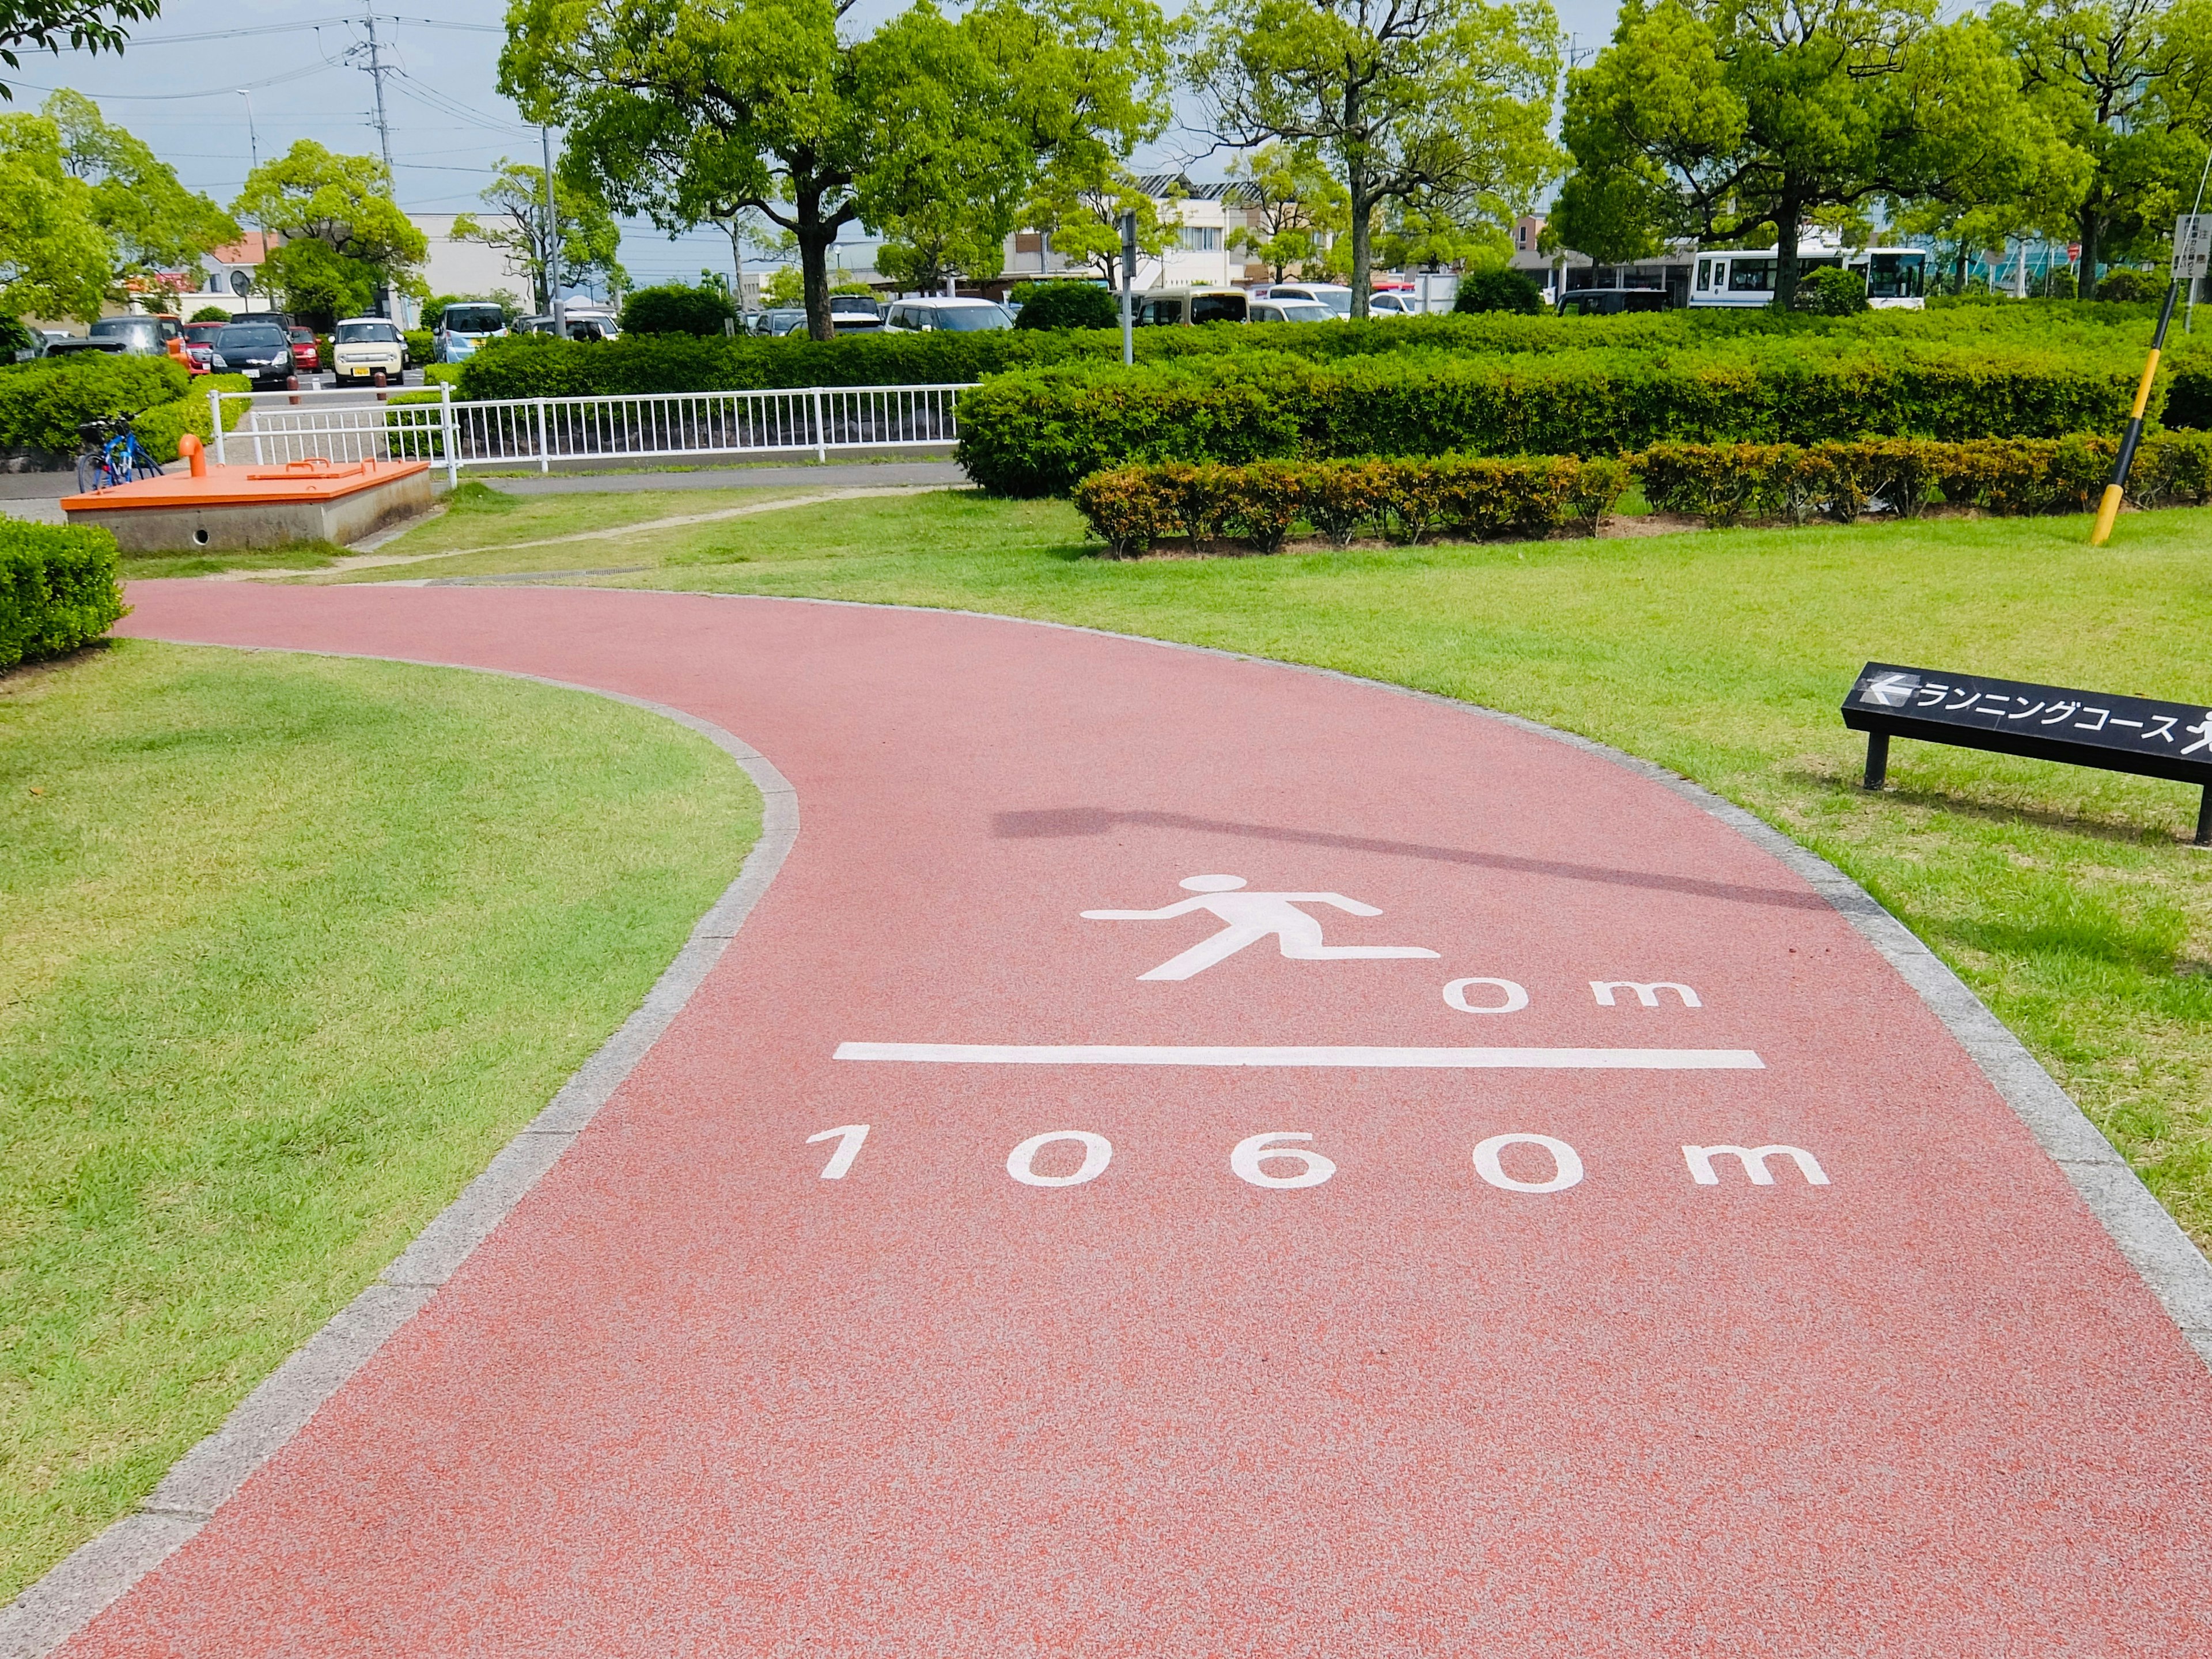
x=42, y=402
x=57, y=589
x=1724, y=484
x=539, y=366
x=1038, y=431
x=161, y=427
x=1131, y=507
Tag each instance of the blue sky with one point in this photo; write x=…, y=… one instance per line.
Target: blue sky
x=303, y=62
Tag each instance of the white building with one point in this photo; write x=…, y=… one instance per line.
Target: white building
x=1198, y=254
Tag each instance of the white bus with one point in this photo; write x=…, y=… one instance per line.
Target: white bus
x=1893, y=276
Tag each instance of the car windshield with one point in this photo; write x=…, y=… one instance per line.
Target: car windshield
x=204, y=330
x=1337, y=301
x=474, y=319
x=123, y=328
x=249, y=339
x=367, y=334
x=1304, y=311
x=302, y=336
x=969, y=320
x=852, y=302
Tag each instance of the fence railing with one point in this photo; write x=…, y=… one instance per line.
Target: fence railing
x=346, y=424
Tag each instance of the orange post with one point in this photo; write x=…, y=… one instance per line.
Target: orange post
x=191, y=449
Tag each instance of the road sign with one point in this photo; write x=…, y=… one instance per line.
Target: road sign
x=2192, y=245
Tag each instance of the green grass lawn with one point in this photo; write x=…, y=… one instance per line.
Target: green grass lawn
x=2065, y=896
x=289, y=948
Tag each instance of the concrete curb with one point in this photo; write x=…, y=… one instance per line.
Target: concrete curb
x=78, y=1588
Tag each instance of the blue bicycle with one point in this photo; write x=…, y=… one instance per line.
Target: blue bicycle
x=112, y=454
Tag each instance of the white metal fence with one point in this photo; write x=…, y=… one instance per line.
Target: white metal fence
x=346, y=424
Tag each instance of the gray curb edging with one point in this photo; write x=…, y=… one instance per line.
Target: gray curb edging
x=84, y=1583
x=81, y=1584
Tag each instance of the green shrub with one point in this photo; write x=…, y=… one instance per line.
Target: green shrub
x=1511, y=291
x=1037, y=432
x=210, y=314
x=57, y=589
x=42, y=402
x=2126, y=285
x=422, y=345
x=160, y=427
x=1829, y=292
x=676, y=309
x=1132, y=507
x=1069, y=305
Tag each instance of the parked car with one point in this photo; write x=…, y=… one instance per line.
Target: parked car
x=782, y=320
x=260, y=351
x=580, y=324
x=160, y=335
x=462, y=328
x=842, y=305
x=953, y=316
x=1288, y=310
x=1611, y=302
x=307, y=350
x=1192, y=305
x=1395, y=303
x=1334, y=296
x=368, y=349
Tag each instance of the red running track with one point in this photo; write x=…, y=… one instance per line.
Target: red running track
x=693, y=1398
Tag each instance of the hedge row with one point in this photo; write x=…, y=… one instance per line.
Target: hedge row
x=1131, y=507
x=539, y=366
x=43, y=402
x=57, y=589
x=1037, y=432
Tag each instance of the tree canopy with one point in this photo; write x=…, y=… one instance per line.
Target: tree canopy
x=50, y=25
x=515, y=223
x=1725, y=121
x=151, y=220
x=55, y=260
x=1296, y=208
x=345, y=237
x=1441, y=105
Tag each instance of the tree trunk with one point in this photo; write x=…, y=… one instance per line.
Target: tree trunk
x=2085, y=284
x=1363, y=209
x=1787, y=219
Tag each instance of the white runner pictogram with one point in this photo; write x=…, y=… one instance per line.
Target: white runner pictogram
x=1252, y=917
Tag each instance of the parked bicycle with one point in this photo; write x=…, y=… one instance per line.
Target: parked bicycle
x=112, y=454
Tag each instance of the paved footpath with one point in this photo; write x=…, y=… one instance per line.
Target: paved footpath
x=1190, y=1156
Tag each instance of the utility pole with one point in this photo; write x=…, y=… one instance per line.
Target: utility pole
x=253, y=138
x=376, y=74
x=553, y=244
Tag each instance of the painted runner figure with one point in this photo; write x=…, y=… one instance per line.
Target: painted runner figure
x=1252, y=917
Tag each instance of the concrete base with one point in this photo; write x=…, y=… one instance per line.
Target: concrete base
x=230, y=524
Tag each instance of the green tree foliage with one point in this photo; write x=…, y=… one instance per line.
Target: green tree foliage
x=1084, y=219
x=1068, y=305
x=1829, y=292
x=786, y=286
x=929, y=131
x=515, y=223
x=55, y=260
x=1438, y=104
x=49, y=25
x=210, y=314
x=1718, y=119
x=2128, y=83
x=153, y=222
x=1498, y=290
x=1296, y=208
x=344, y=236
x=676, y=309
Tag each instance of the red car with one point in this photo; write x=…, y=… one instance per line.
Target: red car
x=199, y=345
x=306, y=354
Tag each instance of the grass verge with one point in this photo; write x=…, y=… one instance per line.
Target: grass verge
x=2065, y=897
x=289, y=948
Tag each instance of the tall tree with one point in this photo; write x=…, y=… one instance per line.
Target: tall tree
x=1716, y=120
x=49, y=25
x=1427, y=101
x=345, y=238
x=2129, y=83
x=55, y=260
x=515, y=223
x=1081, y=210
x=1293, y=207
x=153, y=222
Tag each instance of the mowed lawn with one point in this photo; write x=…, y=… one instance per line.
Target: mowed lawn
x=289, y=948
x=2068, y=898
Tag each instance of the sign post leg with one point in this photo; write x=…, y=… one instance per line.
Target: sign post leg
x=1877, y=766
x=2204, y=818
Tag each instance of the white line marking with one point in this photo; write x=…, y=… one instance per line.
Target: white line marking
x=1108, y=1053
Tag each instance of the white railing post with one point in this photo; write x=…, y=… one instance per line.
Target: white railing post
x=449, y=435
x=545, y=459
x=214, y=413
x=820, y=431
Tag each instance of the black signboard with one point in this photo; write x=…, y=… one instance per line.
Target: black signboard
x=2048, y=722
